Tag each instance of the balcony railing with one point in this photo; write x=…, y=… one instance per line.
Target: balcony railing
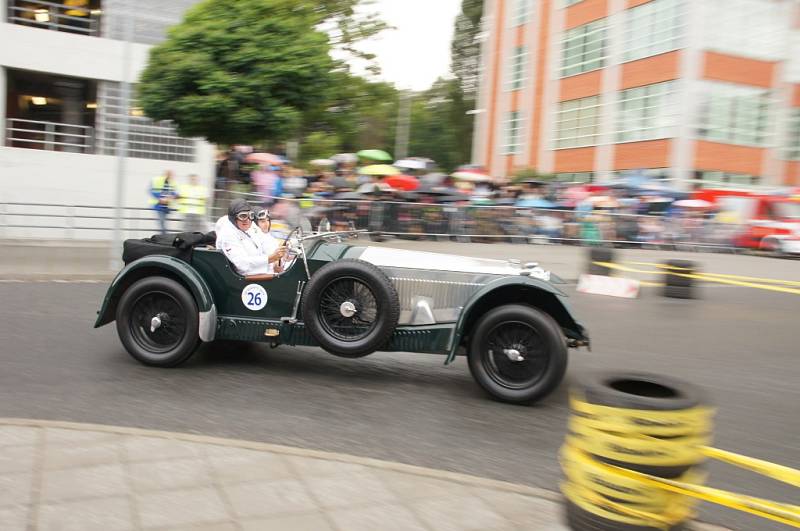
x=50, y=136
x=54, y=16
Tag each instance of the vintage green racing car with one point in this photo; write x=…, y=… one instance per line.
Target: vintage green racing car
x=509, y=318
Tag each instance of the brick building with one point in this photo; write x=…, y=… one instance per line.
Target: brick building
x=695, y=91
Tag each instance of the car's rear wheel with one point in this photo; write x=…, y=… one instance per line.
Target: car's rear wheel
x=517, y=353
x=157, y=322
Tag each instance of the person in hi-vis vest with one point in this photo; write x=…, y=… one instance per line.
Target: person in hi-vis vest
x=162, y=194
x=192, y=198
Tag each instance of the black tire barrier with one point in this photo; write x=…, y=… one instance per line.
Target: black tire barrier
x=639, y=422
x=333, y=302
x=600, y=254
x=679, y=283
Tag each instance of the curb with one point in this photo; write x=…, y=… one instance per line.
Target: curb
x=432, y=473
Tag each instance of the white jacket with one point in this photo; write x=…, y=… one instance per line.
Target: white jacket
x=246, y=250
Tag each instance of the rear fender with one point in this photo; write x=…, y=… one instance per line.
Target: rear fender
x=170, y=267
x=516, y=290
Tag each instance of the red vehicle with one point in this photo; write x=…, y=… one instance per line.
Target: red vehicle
x=768, y=222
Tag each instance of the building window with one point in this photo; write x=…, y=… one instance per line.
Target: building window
x=568, y=3
x=515, y=73
x=713, y=179
x=734, y=114
x=653, y=28
x=578, y=177
x=146, y=139
x=749, y=28
x=793, y=135
x=584, y=48
x=578, y=122
x=149, y=20
x=646, y=113
x=513, y=130
x=521, y=12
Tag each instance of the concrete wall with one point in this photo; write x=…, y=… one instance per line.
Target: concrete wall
x=32, y=175
x=67, y=54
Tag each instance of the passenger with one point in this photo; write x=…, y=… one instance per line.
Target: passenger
x=270, y=243
x=242, y=241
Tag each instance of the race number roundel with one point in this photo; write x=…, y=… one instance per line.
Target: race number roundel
x=254, y=297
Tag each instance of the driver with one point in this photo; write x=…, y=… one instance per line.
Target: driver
x=241, y=241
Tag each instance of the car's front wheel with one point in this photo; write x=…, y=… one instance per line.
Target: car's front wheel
x=517, y=353
x=157, y=322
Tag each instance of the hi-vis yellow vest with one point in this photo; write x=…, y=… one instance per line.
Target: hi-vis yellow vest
x=156, y=185
x=192, y=199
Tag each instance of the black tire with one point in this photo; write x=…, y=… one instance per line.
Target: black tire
x=679, y=292
x=643, y=392
x=176, y=339
x=600, y=254
x=371, y=295
x=680, y=267
x=579, y=519
x=524, y=329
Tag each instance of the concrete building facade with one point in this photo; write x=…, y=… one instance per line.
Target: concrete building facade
x=698, y=92
x=63, y=65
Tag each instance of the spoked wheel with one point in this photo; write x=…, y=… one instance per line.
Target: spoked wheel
x=348, y=309
x=157, y=322
x=516, y=356
x=517, y=353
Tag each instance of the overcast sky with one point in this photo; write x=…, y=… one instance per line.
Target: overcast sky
x=418, y=51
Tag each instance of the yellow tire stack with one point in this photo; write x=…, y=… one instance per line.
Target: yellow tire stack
x=632, y=422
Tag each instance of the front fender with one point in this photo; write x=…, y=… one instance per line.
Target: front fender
x=167, y=266
x=508, y=290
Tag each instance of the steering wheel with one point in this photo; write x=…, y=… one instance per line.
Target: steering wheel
x=293, y=247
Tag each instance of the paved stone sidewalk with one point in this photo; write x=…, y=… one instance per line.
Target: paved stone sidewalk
x=65, y=476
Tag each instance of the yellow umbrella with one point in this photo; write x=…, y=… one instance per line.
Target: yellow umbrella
x=379, y=169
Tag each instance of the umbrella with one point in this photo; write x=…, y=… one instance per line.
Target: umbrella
x=348, y=196
x=374, y=154
x=345, y=158
x=693, y=203
x=379, y=169
x=402, y=182
x=322, y=162
x=412, y=164
x=433, y=179
x=427, y=189
x=264, y=158
x=536, y=203
x=374, y=188
x=472, y=177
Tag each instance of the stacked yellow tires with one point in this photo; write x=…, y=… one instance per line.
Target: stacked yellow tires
x=623, y=426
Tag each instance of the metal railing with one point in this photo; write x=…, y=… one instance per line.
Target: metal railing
x=54, y=221
x=385, y=219
x=51, y=136
x=466, y=222
x=55, y=16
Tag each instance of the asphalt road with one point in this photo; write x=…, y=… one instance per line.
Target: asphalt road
x=737, y=343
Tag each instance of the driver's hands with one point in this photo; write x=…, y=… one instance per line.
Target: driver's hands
x=277, y=255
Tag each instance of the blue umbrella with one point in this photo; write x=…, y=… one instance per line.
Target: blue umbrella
x=535, y=203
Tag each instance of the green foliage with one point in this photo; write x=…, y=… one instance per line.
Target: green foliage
x=465, y=48
x=531, y=174
x=248, y=71
x=437, y=125
x=362, y=114
x=319, y=145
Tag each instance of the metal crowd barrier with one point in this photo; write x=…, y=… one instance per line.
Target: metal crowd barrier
x=503, y=223
x=389, y=219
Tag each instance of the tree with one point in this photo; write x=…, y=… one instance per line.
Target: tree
x=465, y=48
x=437, y=125
x=247, y=71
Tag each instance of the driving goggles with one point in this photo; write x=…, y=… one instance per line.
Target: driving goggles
x=244, y=216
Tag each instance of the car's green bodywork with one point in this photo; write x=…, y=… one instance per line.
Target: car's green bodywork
x=217, y=289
